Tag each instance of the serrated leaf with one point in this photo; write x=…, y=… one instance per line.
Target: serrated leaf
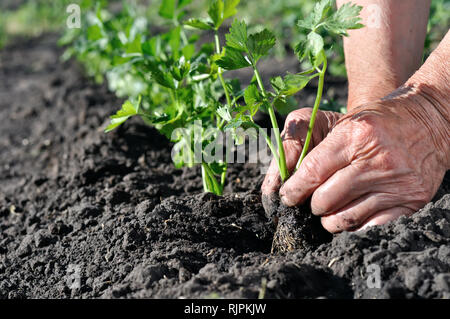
x=220, y=10
x=277, y=84
x=215, y=12
x=237, y=37
x=229, y=9
x=294, y=83
x=321, y=9
x=345, y=18
x=252, y=95
x=201, y=24
x=128, y=110
x=232, y=60
x=163, y=78
x=260, y=43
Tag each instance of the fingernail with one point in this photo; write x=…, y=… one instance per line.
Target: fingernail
x=285, y=200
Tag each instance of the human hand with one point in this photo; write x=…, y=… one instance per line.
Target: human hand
x=380, y=161
x=294, y=135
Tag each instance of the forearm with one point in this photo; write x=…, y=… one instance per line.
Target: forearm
x=430, y=86
x=381, y=56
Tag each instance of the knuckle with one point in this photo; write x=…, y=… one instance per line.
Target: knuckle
x=310, y=171
x=385, y=161
x=365, y=133
x=300, y=116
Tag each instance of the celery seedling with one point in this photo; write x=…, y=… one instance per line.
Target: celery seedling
x=243, y=50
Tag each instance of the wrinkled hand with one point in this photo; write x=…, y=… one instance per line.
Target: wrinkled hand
x=294, y=135
x=380, y=161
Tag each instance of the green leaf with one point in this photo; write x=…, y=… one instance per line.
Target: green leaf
x=181, y=69
x=232, y=60
x=312, y=46
x=319, y=13
x=237, y=37
x=291, y=83
x=188, y=51
x=252, y=95
x=167, y=9
x=321, y=9
x=277, y=84
x=284, y=106
x=220, y=10
x=135, y=46
x=215, y=12
x=345, y=18
x=183, y=3
x=163, y=78
x=201, y=24
x=94, y=33
x=234, y=124
x=224, y=113
x=128, y=110
x=260, y=43
x=175, y=41
x=294, y=83
x=315, y=43
x=150, y=47
x=230, y=8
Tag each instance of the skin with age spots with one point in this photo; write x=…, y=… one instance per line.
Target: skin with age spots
x=386, y=157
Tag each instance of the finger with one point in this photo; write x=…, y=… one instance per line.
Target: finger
x=386, y=216
x=272, y=180
x=355, y=214
x=340, y=189
x=321, y=163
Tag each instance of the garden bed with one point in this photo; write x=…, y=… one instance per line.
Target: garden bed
x=91, y=215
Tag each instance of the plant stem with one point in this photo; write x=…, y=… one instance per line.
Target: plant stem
x=220, y=71
x=227, y=95
x=210, y=183
x=284, y=174
x=313, y=114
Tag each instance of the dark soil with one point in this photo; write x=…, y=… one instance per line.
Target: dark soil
x=94, y=215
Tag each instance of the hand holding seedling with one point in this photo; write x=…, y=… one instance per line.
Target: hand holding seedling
x=385, y=158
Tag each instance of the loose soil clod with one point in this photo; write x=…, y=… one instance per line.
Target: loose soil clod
x=298, y=228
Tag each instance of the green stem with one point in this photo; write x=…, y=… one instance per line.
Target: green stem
x=284, y=174
x=220, y=71
x=205, y=179
x=223, y=178
x=210, y=183
x=269, y=143
x=313, y=114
